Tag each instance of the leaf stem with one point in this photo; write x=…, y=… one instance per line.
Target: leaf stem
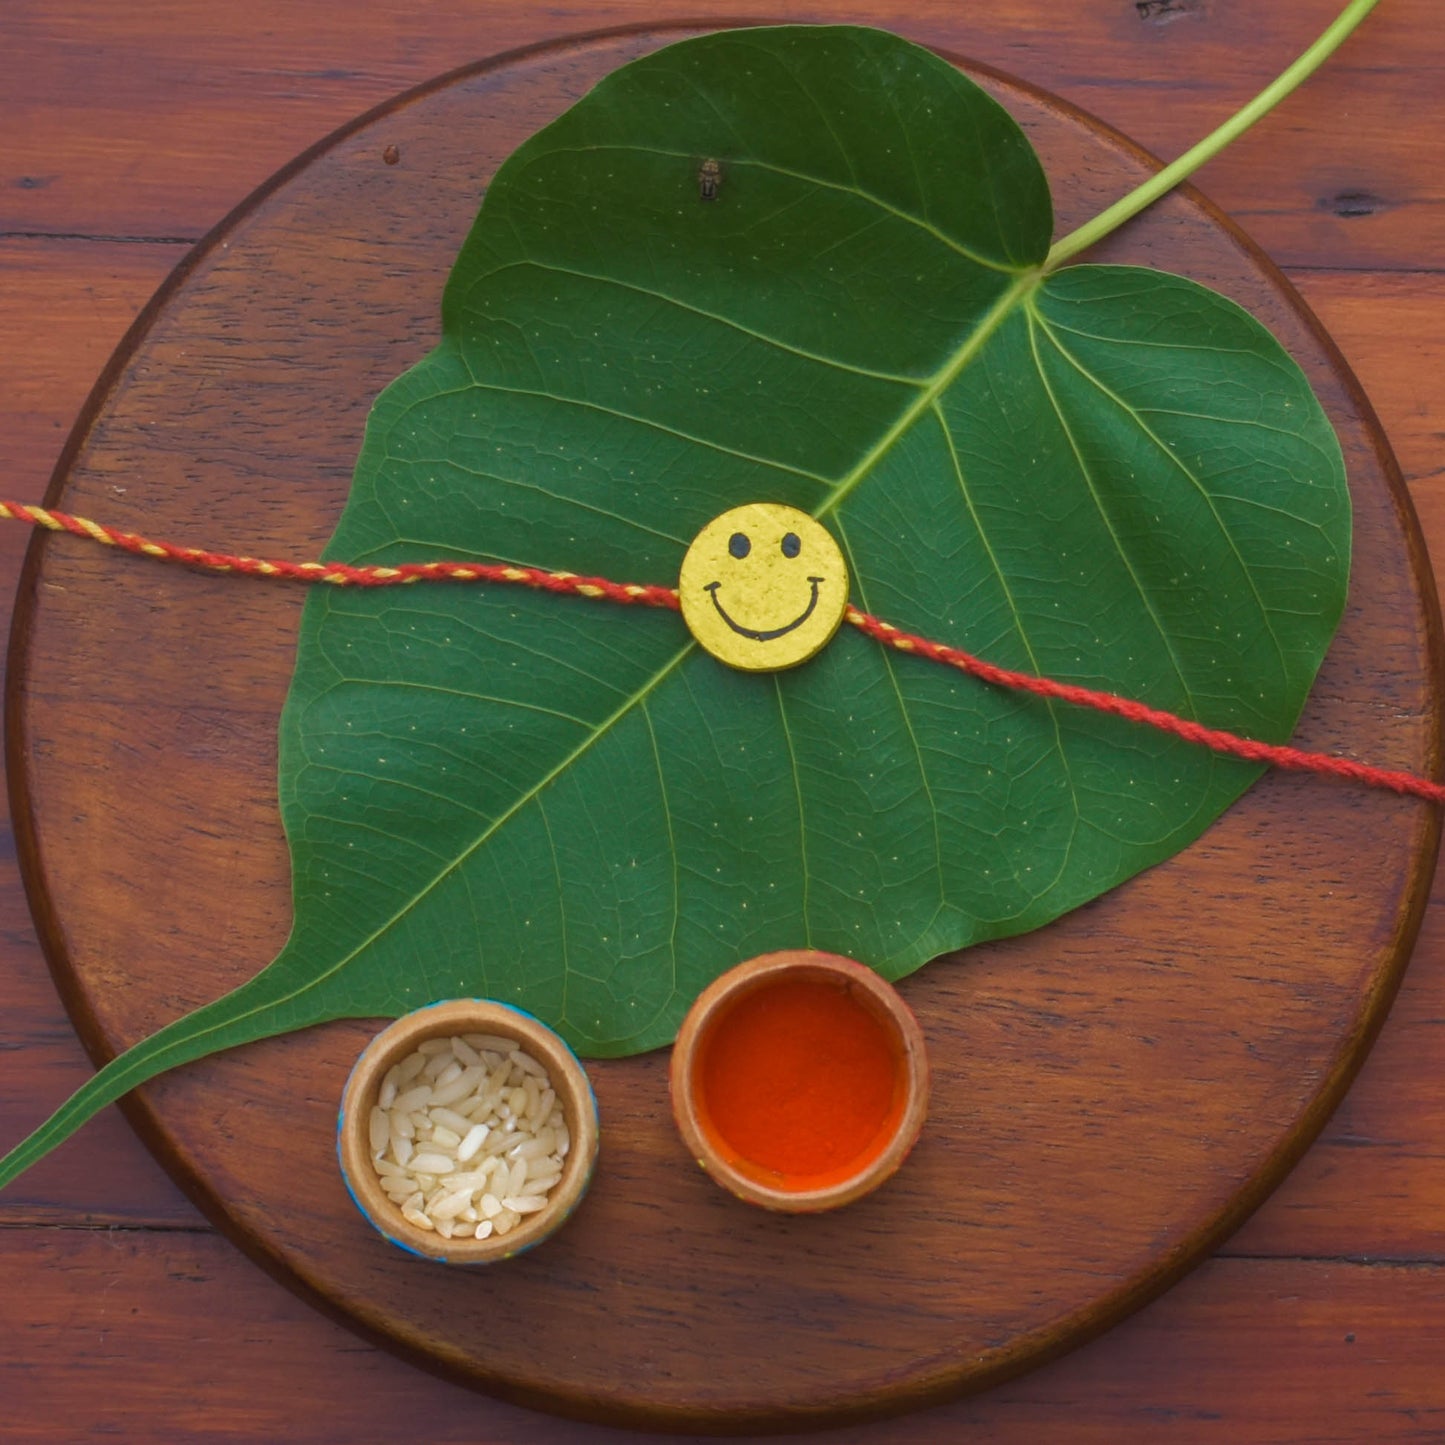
x=1157, y=185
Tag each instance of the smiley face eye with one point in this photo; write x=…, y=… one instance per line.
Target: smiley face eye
x=791, y=545
x=739, y=545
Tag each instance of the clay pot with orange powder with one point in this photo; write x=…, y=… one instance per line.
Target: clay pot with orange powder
x=800, y=1080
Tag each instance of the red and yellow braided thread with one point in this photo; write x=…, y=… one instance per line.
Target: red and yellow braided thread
x=341, y=574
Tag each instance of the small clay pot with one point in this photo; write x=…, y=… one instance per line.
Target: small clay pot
x=766, y=1183
x=446, y=1020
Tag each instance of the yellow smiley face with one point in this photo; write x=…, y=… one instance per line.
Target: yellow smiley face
x=763, y=587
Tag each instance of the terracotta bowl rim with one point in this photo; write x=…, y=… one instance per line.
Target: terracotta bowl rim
x=884, y=1001
x=453, y=1016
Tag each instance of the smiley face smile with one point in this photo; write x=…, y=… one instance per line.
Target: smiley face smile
x=784, y=579
x=769, y=634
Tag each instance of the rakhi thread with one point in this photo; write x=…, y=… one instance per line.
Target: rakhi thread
x=1216, y=739
x=341, y=574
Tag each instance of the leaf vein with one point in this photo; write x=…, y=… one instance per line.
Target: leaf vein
x=671, y=849
x=648, y=422
x=802, y=812
x=1087, y=475
x=1024, y=638
x=1194, y=481
x=561, y=902
x=987, y=262
x=890, y=668
x=774, y=341
x=409, y=685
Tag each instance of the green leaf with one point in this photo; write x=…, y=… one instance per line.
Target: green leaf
x=1106, y=475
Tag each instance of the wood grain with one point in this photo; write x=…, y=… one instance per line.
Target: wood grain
x=1179, y=1025
x=273, y=79
x=164, y=119
x=1317, y=1350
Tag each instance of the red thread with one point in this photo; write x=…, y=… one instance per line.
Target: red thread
x=1193, y=732
x=341, y=574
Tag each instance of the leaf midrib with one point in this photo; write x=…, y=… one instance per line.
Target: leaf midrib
x=1017, y=291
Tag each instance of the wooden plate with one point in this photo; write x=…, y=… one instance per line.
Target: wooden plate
x=1112, y=1094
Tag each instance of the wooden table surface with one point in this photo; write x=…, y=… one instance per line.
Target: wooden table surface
x=130, y=130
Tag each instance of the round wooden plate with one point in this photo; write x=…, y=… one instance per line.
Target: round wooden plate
x=1112, y=1094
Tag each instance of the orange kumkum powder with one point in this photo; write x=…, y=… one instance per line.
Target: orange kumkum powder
x=802, y=1081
